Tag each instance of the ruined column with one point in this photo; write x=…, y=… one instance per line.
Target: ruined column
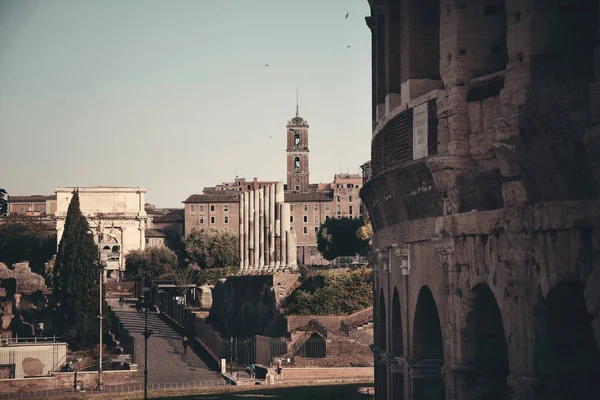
x=261, y=228
x=245, y=212
x=279, y=198
x=251, y=263
x=291, y=249
x=266, y=226
x=241, y=230
x=271, y=226
x=285, y=227
x=256, y=261
x=294, y=249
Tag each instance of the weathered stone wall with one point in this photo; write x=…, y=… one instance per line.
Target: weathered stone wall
x=501, y=252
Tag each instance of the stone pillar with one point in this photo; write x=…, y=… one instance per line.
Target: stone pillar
x=457, y=378
x=285, y=216
x=271, y=226
x=266, y=224
x=251, y=263
x=246, y=223
x=241, y=230
x=261, y=228
x=522, y=387
x=256, y=229
x=427, y=380
x=279, y=198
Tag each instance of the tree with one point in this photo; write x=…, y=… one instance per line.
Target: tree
x=76, y=279
x=212, y=248
x=337, y=237
x=154, y=262
x=3, y=202
x=26, y=239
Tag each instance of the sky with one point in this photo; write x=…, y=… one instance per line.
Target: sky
x=173, y=96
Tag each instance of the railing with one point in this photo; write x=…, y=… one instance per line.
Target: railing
x=9, y=340
x=344, y=261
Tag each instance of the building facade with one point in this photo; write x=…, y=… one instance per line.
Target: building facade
x=483, y=191
x=35, y=205
x=117, y=218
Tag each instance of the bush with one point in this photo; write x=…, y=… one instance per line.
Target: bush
x=333, y=292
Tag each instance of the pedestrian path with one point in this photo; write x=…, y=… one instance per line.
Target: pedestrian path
x=166, y=361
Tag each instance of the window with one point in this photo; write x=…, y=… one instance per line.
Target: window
x=315, y=207
x=201, y=208
x=297, y=187
x=201, y=220
x=306, y=230
x=212, y=220
x=339, y=199
x=291, y=207
x=327, y=207
x=305, y=218
x=22, y=209
x=291, y=228
x=356, y=186
x=42, y=209
x=340, y=186
x=350, y=210
x=339, y=209
x=147, y=241
x=212, y=208
x=226, y=219
x=297, y=164
x=225, y=207
x=316, y=230
x=350, y=199
x=305, y=207
x=316, y=219
x=292, y=219
x=296, y=140
x=192, y=209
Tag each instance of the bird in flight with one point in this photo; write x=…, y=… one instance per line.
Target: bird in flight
x=266, y=65
x=348, y=47
x=347, y=15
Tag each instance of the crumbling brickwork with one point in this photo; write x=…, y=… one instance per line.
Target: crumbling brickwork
x=486, y=241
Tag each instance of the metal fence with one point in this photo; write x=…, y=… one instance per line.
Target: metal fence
x=125, y=388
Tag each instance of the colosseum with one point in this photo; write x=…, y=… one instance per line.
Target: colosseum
x=483, y=194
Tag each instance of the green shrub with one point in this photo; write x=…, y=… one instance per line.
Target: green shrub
x=333, y=292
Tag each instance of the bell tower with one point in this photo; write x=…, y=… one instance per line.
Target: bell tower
x=297, y=153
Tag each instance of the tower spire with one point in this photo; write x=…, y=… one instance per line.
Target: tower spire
x=297, y=113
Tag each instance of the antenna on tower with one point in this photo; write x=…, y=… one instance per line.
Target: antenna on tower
x=297, y=113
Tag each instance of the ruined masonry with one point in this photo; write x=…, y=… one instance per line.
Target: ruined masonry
x=266, y=242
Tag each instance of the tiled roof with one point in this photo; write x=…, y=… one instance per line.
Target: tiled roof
x=173, y=216
x=30, y=199
x=213, y=198
x=154, y=233
x=292, y=197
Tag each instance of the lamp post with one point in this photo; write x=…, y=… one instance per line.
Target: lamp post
x=101, y=315
x=147, y=333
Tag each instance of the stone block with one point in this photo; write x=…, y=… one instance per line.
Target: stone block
x=458, y=135
x=475, y=116
x=452, y=101
x=392, y=101
x=443, y=135
x=490, y=110
x=414, y=88
x=514, y=194
x=507, y=162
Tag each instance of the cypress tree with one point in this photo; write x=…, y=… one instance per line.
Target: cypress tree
x=76, y=274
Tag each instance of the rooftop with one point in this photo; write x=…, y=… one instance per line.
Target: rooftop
x=230, y=197
x=31, y=198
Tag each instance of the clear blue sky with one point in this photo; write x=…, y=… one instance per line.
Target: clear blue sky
x=173, y=95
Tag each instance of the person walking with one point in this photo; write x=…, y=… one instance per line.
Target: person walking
x=185, y=344
x=279, y=372
x=121, y=301
x=252, y=369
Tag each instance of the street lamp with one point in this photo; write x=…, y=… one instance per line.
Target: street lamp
x=147, y=333
x=98, y=233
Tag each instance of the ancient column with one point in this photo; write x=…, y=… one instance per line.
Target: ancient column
x=261, y=228
x=271, y=226
x=279, y=198
x=266, y=226
x=291, y=248
x=285, y=227
x=256, y=262
x=245, y=211
x=251, y=263
x=241, y=230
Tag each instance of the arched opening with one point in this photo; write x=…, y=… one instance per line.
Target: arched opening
x=397, y=344
x=297, y=164
x=115, y=249
x=427, y=350
x=106, y=248
x=484, y=346
x=381, y=342
x=566, y=357
x=296, y=140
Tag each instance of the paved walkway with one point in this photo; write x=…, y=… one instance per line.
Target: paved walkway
x=166, y=361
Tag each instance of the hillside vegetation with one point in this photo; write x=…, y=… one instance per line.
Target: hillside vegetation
x=331, y=292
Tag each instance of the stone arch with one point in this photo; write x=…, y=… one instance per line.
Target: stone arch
x=381, y=337
x=484, y=346
x=566, y=355
x=427, y=349
x=397, y=336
